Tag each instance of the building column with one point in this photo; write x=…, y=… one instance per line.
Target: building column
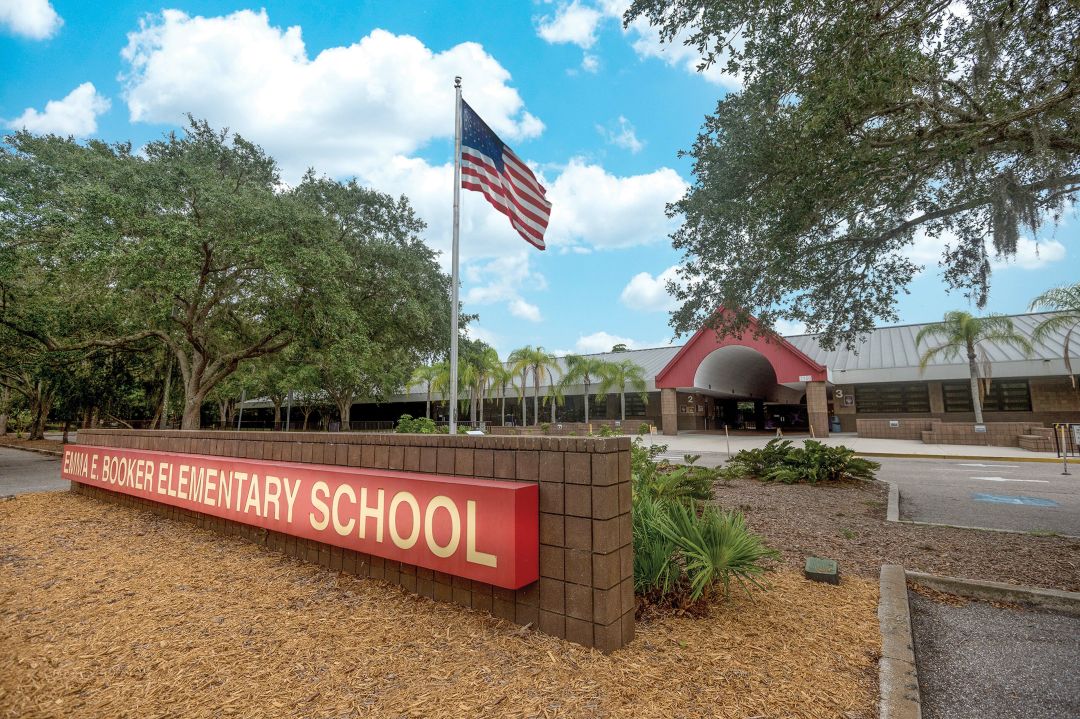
x=669, y=411
x=817, y=408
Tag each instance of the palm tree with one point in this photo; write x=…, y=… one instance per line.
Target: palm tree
x=616, y=375
x=500, y=377
x=555, y=395
x=484, y=367
x=1065, y=302
x=425, y=375
x=584, y=370
x=441, y=382
x=536, y=360
x=962, y=332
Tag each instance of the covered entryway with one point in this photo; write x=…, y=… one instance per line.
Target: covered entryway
x=719, y=377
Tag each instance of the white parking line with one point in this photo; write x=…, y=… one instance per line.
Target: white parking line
x=995, y=466
x=1003, y=479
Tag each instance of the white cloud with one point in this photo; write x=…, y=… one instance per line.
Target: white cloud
x=578, y=23
x=346, y=110
x=76, y=114
x=604, y=341
x=476, y=332
x=501, y=281
x=524, y=310
x=590, y=63
x=649, y=294
x=592, y=207
x=1031, y=255
x=35, y=19
x=622, y=135
x=573, y=23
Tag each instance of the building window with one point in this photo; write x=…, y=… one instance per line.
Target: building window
x=635, y=407
x=892, y=398
x=1011, y=395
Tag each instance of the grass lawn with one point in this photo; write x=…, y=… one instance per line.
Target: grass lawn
x=108, y=611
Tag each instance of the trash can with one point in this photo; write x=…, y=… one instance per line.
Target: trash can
x=834, y=424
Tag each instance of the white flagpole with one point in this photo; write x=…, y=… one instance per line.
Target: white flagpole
x=454, y=259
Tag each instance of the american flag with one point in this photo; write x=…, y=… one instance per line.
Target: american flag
x=490, y=167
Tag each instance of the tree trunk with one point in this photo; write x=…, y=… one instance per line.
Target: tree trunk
x=223, y=413
x=277, y=412
x=307, y=416
x=536, y=399
x=502, y=418
x=586, y=404
x=164, y=421
x=427, y=405
x=67, y=426
x=976, y=399
x=622, y=405
x=5, y=403
x=193, y=402
x=344, y=405
x=40, y=404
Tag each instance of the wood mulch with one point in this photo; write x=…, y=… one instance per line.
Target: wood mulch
x=109, y=611
x=847, y=523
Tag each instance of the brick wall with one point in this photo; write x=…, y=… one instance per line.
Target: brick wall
x=586, y=590
x=908, y=427
x=997, y=434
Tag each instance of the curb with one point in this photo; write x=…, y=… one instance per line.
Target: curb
x=1052, y=599
x=898, y=679
x=892, y=513
x=47, y=452
x=902, y=455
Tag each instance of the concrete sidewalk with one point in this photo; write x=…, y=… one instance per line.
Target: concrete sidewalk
x=700, y=442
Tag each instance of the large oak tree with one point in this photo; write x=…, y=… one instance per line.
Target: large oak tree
x=194, y=242
x=860, y=126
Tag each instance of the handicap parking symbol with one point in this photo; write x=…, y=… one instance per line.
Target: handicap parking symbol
x=1007, y=499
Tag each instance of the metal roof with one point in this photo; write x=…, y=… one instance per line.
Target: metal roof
x=890, y=354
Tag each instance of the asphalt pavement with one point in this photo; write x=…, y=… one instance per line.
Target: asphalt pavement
x=978, y=661
x=22, y=471
x=1016, y=496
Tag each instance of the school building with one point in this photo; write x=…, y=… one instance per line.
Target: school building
x=760, y=384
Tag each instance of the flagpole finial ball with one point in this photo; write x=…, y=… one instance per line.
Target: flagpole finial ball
x=457, y=81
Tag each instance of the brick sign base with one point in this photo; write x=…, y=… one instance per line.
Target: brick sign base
x=585, y=591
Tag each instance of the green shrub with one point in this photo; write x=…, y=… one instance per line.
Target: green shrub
x=407, y=424
x=685, y=548
x=813, y=463
x=714, y=547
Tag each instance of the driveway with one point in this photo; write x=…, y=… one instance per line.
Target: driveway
x=977, y=661
x=1017, y=496
x=22, y=471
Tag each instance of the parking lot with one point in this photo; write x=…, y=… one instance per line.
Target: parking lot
x=1015, y=496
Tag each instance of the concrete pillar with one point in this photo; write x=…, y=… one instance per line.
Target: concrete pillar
x=817, y=408
x=669, y=411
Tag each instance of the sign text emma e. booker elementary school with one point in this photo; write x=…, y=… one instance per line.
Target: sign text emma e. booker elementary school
x=481, y=529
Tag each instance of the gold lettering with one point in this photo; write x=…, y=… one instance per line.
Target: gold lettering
x=451, y=546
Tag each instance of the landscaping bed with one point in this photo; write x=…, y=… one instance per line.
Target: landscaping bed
x=846, y=522
x=108, y=611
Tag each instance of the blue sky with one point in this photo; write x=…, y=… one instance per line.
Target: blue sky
x=365, y=89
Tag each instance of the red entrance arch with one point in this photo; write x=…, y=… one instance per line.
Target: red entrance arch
x=791, y=367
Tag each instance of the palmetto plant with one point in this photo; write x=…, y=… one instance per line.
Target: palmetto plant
x=961, y=333
x=1065, y=302
x=585, y=370
x=615, y=376
x=537, y=361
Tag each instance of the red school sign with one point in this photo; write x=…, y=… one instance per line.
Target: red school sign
x=480, y=529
